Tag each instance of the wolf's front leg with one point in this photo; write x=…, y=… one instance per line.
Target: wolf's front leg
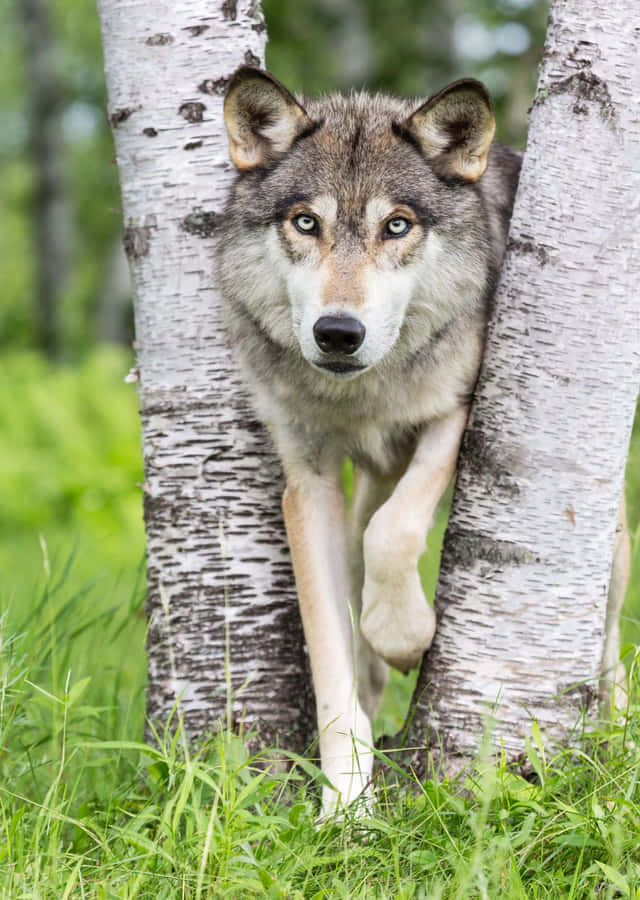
x=396, y=619
x=314, y=515
x=369, y=493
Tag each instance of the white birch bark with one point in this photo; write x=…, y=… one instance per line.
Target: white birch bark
x=523, y=587
x=209, y=466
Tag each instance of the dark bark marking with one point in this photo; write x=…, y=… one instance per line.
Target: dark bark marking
x=196, y=30
x=586, y=87
x=582, y=695
x=209, y=467
x=121, y=115
x=584, y=54
x=150, y=132
x=529, y=246
x=465, y=547
x=136, y=240
x=250, y=59
x=192, y=145
x=156, y=507
x=230, y=10
x=215, y=86
x=483, y=461
x=255, y=12
x=159, y=40
x=200, y=222
x=259, y=27
x=169, y=409
x=192, y=111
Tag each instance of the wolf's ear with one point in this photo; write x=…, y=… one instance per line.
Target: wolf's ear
x=263, y=119
x=454, y=129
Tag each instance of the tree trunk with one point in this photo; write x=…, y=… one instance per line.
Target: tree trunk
x=220, y=586
x=526, y=563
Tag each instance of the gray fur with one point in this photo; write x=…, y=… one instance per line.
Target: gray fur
x=306, y=238
x=355, y=152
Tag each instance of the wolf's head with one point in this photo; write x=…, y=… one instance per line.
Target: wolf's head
x=355, y=215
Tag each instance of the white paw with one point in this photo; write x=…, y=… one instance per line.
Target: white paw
x=396, y=619
x=354, y=789
x=347, y=761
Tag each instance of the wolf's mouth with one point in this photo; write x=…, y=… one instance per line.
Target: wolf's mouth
x=341, y=368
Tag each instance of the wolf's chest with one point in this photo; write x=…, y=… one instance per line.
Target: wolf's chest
x=379, y=433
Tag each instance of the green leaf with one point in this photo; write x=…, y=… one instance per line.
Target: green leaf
x=534, y=759
x=296, y=811
x=537, y=737
x=78, y=690
x=265, y=879
x=616, y=878
x=307, y=767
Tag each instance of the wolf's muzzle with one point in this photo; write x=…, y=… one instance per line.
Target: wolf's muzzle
x=340, y=335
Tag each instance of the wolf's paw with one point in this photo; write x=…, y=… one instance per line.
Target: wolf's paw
x=347, y=761
x=357, y=796
x=397, y=620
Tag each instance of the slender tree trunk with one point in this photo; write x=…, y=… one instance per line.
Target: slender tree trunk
x=51, y=215
x=219, y=576
x=527, y=558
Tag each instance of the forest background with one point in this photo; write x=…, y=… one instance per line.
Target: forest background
x=71, y=531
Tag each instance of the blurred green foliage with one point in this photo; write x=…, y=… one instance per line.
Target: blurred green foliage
x=411, y=47
x=72, y=472
x=89, y=177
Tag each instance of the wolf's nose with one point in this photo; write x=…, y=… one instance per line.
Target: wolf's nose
x=338, y=334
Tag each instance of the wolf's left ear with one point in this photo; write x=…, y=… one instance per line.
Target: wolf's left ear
x=262, y=118
x=454, y=129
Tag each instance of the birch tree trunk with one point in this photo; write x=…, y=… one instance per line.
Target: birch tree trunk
x=219, y=578
x=527, y=558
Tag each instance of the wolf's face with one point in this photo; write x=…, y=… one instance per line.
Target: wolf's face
x=355, y=215
x=351, y=265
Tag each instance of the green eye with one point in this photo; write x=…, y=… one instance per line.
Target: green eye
x=305, y=224
x=397, y=227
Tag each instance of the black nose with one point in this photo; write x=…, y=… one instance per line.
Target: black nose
x=338, y=334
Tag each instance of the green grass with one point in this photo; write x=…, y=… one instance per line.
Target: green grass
x=89, y=811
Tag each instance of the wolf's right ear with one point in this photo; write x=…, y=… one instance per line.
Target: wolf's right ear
x=262, y=118
x=454, y=129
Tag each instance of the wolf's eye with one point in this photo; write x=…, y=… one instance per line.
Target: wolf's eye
x=397, y=227
x=305, y=224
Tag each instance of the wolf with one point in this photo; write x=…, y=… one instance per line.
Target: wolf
x=357, y=257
